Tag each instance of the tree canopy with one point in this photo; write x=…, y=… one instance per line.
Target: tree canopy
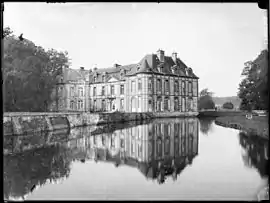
x=228, y=105
x=253, y=89
x=29, y=73
x=205, y=100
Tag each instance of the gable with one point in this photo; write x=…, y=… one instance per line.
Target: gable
x=113, y=79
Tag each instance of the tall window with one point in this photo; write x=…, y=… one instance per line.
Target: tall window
x=95, y=91
x=158, y=84
x=150, y=84
x=139, y=84
x=103, y=78
x=80, y=90
x=133, y=86
x=95, y=105
x=176, y=104
x=122, y=104
x=103, y=105
x=95, y=79
x=176, y=86
x=166, y=104
x=150, y=105
x=166, y=85
x=189, y=88
x=139, y=102
x=103, y=91
x=112, y=89
x=183, y=88
x=80, y=104
x=121, y=89
x=72, y=91
x=71, y=105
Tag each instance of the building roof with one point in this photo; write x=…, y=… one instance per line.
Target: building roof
x=150, y=63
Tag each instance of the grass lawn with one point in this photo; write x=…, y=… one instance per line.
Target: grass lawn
x=256, y=124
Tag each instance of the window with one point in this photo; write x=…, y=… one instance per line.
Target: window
x=94, y=91
x=103, y=105
x=95, y=78
x=112, y=89
x=121, y=89
x=176, y=104
x=103, y=91
x=72, y=91
x=166, y=104
x=103, y=78
x=176, y=86
x=80, y=90
x=80, y=104
x=139, y=84
x=150, y=84
x=139, y=102
x=71, y=105
x=158, y=84
x=166, y=85
x=189, y=87
x=122, y=104
x=133, y=86
x=150, y=105
x=183, y=87
x=95, y=104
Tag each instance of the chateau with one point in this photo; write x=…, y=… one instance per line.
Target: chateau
x=157, y=84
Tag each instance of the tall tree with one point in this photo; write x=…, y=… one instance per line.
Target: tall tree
x=29, y=74
x=253, y=89
x=205, y=100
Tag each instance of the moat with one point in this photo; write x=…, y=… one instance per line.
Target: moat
x=161, y=159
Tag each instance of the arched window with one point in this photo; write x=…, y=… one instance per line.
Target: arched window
x=80, y=90
x=72, y=105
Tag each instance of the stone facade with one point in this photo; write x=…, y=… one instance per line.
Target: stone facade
x=157, y=83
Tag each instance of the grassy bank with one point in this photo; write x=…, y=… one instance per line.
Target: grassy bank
x=220, y=113
x=257, y=125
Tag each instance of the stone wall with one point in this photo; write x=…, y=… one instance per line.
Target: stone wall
x=32, y=123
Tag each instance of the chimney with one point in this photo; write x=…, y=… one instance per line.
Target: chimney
x=95, y=69
x=116, y=65
x=160, y=54
x=82, y=68
x=174, y=57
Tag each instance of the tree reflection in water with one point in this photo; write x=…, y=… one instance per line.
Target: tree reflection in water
x=256, y=152
x=158, y=149
x=206, y=125
x=24, y=171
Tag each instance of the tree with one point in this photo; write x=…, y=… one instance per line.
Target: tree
x=228, y=105
x=253, y=89
x=205, y=92
x=205, y=100
x=29, y=74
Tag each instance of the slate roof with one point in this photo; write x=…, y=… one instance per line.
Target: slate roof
x=148, y=64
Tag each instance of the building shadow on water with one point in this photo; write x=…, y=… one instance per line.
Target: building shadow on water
x=158, y=149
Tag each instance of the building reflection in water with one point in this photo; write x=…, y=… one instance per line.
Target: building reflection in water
x=158, y=149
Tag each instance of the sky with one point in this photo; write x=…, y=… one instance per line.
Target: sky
x=214, y=39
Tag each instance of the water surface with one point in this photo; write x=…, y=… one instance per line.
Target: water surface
x=178, y=159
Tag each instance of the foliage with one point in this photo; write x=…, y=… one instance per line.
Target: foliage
x=205, y=100
x=29, y=74
x=228, y=105
x=205, y=92
x=253, y=89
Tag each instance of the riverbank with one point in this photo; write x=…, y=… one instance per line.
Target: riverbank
x=257, y=125
x=220, y=113
x=19, y=123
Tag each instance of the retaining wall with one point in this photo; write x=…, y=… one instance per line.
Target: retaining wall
x=32, y=122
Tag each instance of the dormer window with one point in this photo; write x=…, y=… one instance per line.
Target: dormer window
x=95, y=78
x=138, y=68
x=103, y=78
